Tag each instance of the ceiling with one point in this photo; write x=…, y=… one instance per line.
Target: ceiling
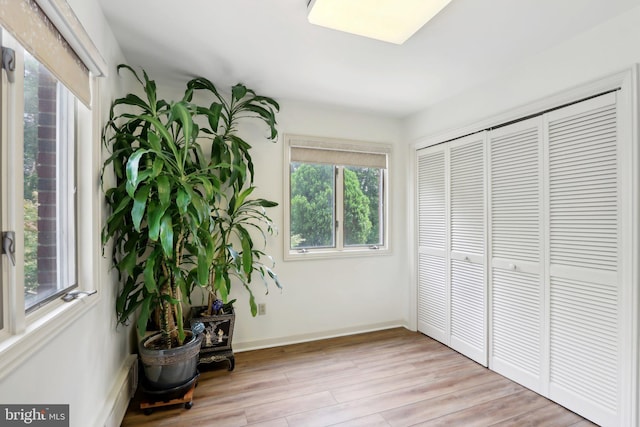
x=269, y=46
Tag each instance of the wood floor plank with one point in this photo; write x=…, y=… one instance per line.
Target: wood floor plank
x=385, y=401
x=491, y=412
x=374, y=420
x=584, y=423
x=547, y=416
x=280, y=422
x=414, y=378
x=439, y=406
x=385, y=378
x=320, y=368
x=283, y=408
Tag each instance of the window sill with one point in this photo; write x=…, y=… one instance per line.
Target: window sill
x=335, y=254
x=14, y=349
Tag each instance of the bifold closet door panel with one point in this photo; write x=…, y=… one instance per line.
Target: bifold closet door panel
x=516, y=282
x=433, y=281
x=468, y=333
x=584, y=251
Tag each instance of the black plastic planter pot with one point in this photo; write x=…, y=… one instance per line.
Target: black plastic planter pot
x=166, y=369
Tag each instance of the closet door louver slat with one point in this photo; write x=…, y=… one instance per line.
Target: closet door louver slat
x=467, y=198
x=516, y=295
x=432, y=297
x=431, y=201
x=583, y=258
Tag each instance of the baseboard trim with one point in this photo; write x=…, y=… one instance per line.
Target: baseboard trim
x=123, y=389
x=297, y=339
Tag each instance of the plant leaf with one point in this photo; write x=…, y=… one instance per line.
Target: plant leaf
x=238, y=91
x=148, y=273
x=166, y=235
x=143, y=318
x=154, y=215
x=219, y=285
x=157, y=167
x=247, y=255
x=203, y=267
x=180, y=111
x=132, y=171
x=252, y=301
x=139, y=206
x=182, y=200
x=128, y=263
x=164, y=191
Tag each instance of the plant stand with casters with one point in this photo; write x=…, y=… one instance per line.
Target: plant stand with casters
x=181, y=395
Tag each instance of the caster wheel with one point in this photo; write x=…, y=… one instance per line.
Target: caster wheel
x=147, y=412
x=188, y=405
x=232, y=364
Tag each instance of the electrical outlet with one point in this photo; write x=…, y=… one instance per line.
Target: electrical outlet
x=262, y=309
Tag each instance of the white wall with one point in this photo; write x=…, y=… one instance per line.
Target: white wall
x=322, y=298
x=83, y=364
x=603, y=50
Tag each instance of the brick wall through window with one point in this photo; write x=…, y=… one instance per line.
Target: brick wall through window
x=46, y=171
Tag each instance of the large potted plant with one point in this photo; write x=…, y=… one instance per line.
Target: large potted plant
x=236, y=220
x=166, y=186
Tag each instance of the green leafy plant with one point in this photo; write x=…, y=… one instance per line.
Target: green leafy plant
x=165, y=203
x=233, y=223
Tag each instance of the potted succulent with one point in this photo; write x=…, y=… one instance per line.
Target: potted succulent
x=166, y=186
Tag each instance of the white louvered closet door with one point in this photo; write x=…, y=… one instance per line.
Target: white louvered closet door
x=433, y=281
x=468, y=317
x=516, y=280
x=585, y=307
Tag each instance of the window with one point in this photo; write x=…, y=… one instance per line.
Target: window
x=45, y=94
x=337, y=192
x=40, y=205
x=48, y=185
x=49, y=168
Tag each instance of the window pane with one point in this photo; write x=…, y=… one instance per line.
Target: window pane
x=363, y=208
x=312, y=205
x=49, y=240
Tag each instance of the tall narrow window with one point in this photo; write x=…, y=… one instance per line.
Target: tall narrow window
x=48, y=199
x=38, y=150
x=45, y=107
x=337, y=197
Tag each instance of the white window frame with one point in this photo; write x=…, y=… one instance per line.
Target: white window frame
x=340, y=250
x=23, y=334
x=66, y=214
x=13, y=185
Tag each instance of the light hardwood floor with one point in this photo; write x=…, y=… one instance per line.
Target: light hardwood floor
x=388, y=378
